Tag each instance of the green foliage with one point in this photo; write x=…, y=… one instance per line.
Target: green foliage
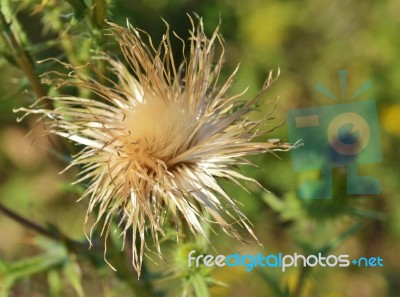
x=54, y=255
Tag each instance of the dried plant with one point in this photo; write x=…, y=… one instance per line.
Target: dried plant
x=155, y=142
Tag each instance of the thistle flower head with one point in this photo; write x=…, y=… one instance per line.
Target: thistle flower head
x=156, y=138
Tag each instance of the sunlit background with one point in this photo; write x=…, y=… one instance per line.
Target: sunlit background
x=309, y=41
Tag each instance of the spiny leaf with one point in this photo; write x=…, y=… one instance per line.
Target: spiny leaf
x=33, y=265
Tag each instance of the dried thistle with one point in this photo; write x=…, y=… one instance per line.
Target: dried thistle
x=155, y=143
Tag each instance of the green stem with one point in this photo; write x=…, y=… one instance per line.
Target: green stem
x=99, y=13
x=21, y=56
x=55, y=235
x=300, y=283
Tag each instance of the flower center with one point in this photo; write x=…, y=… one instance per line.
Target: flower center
x=159, y=127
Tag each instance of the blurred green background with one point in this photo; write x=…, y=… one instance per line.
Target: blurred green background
x=309, y=41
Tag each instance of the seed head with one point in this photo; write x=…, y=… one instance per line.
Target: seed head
x=155, y=139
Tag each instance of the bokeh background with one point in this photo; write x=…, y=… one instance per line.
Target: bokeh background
x=309, y=41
